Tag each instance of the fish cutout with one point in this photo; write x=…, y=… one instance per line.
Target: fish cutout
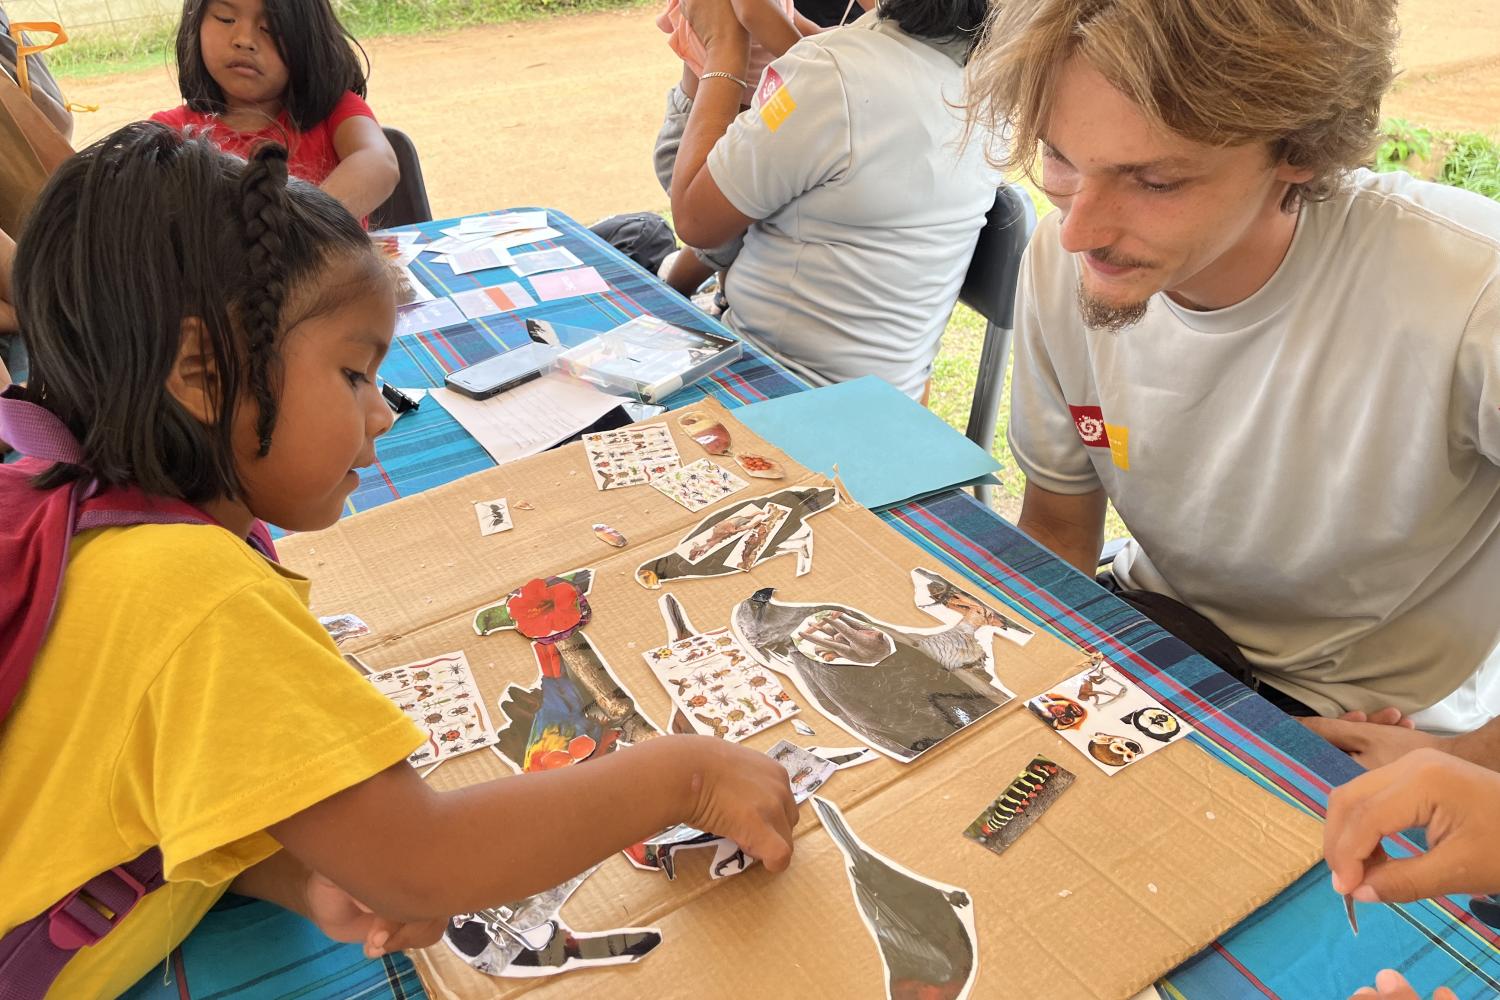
x=609, y=536
x=528, y=938
x=902, y=690
x=753, y=531
x=923, y=929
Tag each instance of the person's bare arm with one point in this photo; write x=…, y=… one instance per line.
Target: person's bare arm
x=768, y=25
x=701, y=214
x=367, y=172
x=805, y=26
x=1372, y=744
x=1072, y=526
x=8, y=322
x=507, y=839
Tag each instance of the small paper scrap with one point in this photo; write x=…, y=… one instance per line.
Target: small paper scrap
x=344, y=626
x=494, y=516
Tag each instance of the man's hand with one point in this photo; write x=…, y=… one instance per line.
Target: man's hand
x=344, y=918
x=1455, y=801
x=1391, y=985
x=1372, y=744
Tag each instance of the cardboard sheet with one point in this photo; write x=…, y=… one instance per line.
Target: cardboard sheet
x=888, y=448
x=1161, y=858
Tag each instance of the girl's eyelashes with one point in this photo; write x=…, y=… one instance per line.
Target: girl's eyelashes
x=356, y=378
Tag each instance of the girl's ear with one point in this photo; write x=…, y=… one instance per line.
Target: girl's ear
x=194, y=378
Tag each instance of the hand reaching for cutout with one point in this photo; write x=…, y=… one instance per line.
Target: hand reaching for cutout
x=1391, y=985
x=848, y=638
x=344, y=918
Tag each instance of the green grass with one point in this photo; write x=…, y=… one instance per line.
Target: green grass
x=124, y=51
x=1473, y=163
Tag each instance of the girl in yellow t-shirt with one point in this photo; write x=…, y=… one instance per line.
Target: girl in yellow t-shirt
x=211, y=332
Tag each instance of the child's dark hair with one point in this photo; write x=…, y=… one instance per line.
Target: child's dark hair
x=132, y=237
x=940, y=20
x=317, y=49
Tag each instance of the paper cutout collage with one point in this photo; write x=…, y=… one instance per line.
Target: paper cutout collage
x=900, y=689
x=1107, y=718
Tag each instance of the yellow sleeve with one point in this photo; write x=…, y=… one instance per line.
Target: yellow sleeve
x=254, y=718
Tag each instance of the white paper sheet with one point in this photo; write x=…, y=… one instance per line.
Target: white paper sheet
x=530, y=418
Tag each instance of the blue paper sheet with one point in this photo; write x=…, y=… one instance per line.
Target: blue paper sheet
x=888, y=447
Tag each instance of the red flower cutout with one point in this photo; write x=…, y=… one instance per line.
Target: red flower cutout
x=541, y=610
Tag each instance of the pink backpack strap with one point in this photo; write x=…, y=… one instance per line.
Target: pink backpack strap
x=35, y=531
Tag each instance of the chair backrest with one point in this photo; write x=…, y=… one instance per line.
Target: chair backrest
x=989, y=289
x=990, y=286
x=408, y=203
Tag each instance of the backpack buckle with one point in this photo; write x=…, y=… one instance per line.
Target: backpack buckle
x=80, y=918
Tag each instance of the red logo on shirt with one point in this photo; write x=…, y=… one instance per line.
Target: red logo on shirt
x=770, y=82
x=1090, y=423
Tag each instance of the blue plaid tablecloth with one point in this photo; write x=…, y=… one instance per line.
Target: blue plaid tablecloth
x=1298, y=945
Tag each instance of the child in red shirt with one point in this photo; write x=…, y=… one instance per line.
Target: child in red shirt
x=258, y=70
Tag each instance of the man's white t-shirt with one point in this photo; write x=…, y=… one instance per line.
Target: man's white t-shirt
x=852, y=157
x=1314, y=468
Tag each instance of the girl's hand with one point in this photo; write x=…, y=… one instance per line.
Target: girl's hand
x=344, y=918
x=1391, y=985
x=722, y=34
x=745, y=796
x=1457, y=802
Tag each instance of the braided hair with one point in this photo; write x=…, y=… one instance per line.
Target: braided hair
x=150, y=234
x=264, y=216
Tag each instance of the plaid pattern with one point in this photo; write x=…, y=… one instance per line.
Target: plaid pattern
x=1298, y=945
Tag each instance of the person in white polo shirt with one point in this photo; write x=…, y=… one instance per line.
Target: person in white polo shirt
x=1283, y=371
x=852, y=177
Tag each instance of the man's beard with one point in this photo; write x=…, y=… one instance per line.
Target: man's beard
x=1101, y=315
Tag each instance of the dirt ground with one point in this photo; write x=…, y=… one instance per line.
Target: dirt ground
x=563, y=112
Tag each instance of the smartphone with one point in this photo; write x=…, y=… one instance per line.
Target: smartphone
x=503, y=371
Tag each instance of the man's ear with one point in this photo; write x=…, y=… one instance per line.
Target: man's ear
x=1288, y=174
x=194, y=378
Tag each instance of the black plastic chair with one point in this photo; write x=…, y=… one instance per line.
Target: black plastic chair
x=990, y=289
x=408, y=203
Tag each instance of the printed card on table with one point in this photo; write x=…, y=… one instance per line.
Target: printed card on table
x=567, y=284
x=630, y=456
x=435, y=315
x=555, y=259
x=481, y=259
x=505, y=223
x=721, y=690
x=440, y=696
x=699, y=485
x=478, y=303
x=1107, y=718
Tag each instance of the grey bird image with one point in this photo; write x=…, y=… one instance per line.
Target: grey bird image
x=925, y=685
x=924, y=930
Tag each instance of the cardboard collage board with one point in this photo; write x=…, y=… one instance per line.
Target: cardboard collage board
x=1123, y=878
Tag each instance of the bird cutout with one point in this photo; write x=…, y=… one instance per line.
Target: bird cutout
x=743, y=536
x=900, y=689
x=528, y=938
x=923, y=929
x=494, y=516
x=576, y=710
x=714, y=438
x=717, y=688
x=1020, y=805
x=806, y=773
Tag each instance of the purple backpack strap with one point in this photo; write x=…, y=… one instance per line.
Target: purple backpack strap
x=33, y=954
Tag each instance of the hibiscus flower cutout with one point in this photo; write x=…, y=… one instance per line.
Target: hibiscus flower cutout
x=546, y=609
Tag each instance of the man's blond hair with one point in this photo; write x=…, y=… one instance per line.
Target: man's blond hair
x=1305, y=76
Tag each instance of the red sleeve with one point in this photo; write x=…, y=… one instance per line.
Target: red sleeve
x=176, y=117
x=351, y=105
